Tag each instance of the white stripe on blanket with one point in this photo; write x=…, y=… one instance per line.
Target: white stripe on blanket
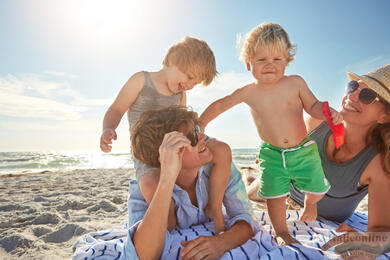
x=109, y=244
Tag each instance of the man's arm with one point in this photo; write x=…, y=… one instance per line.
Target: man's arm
x=241, y=224
x=149, y=238
x=214, y=247
x=148, y=184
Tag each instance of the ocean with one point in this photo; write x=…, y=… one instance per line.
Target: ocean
x=24, y=162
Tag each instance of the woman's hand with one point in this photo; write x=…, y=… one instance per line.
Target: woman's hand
x=354, y=245
x=337, y=118
x=202, y=248
x=171, y=153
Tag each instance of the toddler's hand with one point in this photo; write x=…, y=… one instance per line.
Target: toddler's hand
x=108, y=135
x=337, y=118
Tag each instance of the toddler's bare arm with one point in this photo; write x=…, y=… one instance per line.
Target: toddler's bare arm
x=221, y=105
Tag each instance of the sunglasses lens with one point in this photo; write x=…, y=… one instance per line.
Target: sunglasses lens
x=352, y=86
x=193, y=137
x=367, y=96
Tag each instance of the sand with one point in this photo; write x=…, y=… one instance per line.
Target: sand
x=43, y=214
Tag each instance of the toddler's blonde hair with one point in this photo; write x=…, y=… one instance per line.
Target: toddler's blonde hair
x=194, y=56
x=270, y=36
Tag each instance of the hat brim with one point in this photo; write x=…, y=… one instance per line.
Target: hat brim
x=372, y=84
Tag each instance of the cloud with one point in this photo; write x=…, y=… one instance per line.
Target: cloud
x=80, y=101
x=32, y=107
x=31, y=97
x=54, y=127
x=60, y=74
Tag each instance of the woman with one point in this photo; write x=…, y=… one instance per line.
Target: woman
x=362, y=164
x=169, y=139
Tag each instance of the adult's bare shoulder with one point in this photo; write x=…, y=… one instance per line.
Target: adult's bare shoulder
x=374, y=172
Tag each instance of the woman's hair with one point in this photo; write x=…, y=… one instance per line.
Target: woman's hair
x=380, y=137
x=148, y=132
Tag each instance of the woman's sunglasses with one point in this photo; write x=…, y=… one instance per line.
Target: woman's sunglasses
x=193, y=137
x=366, y=96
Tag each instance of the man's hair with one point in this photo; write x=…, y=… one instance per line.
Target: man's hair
x=148, y=132
x=270, y=36
x=191, y=55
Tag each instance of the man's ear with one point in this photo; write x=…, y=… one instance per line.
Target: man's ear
x=248, y=66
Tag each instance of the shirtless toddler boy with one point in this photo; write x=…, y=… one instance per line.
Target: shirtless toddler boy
x=287, y=155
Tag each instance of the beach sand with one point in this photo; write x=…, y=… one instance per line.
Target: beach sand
x=43, y=214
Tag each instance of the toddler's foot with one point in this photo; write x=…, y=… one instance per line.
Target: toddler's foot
x=309, y=212
x=217, y=217
x=284, y=238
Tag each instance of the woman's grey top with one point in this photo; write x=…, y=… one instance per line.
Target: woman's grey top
x=343, y=197
x=150, y=99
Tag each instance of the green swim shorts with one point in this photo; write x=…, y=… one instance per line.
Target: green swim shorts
x=299, y=165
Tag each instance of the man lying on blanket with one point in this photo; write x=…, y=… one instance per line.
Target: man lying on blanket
x=169, y=140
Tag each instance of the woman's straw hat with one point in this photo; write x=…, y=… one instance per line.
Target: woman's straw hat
x=378, y=80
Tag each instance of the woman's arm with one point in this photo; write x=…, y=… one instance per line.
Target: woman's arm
x=378, y=190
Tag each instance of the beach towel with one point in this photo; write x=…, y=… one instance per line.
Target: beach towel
x=109, y=244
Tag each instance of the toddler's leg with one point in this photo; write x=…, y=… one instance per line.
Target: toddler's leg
x=310, y=208
x=219, y=178
x=277, y=214
x=252, y=186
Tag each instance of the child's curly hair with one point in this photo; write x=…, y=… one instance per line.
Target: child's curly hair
x=148, y=132
x=267, y=35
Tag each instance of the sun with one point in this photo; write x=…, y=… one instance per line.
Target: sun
x=103, y=20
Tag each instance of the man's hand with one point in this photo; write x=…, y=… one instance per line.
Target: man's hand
x=354, y=245
x=171, y=154
x=202, y=248
x=108, y=135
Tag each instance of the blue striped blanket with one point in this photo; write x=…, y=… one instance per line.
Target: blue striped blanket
x=109, y=244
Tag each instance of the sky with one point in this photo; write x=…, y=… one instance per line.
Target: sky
x=62, y=63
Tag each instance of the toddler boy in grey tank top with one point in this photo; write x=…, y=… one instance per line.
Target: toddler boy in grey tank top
x=148, y=99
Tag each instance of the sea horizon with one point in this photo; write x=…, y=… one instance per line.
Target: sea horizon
x=40, y=161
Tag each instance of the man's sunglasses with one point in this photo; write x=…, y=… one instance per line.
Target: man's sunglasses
x=366, y=96
x=193, y=137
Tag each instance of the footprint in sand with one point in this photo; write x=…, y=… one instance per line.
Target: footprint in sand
x=64, y=233
x=47, y=218
x=12, y=241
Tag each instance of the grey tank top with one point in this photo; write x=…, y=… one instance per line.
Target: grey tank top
x=343, y=197
x=150, y=99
